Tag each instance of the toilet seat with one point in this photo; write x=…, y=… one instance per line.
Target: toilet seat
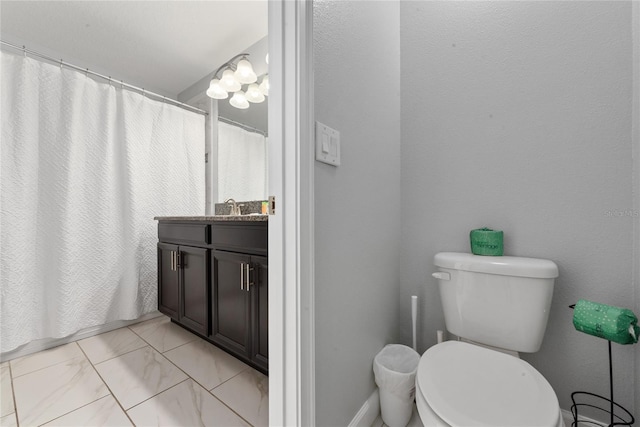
x=467, y=385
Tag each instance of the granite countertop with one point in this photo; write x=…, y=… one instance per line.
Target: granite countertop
x=210, y=218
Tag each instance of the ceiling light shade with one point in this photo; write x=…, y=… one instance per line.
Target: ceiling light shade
x=216, y=91
x=228, y=81
x=239, y=100
x=264, y=86
x=253, y=94
x=244, y=72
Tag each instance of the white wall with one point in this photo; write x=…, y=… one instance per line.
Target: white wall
x=518, y=116
x=357, y=206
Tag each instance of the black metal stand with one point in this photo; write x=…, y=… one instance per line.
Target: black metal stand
x=591, y=400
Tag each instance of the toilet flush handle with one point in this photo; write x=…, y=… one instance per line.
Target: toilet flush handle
x=442, y=275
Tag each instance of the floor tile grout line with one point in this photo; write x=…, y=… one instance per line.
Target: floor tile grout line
x=13, y=394
x=73, y=410
x=156, y=319
x=45, y=367
x=151, y=397
x=113, y=330
x=230, y=408
x=182, y=345
x=157, y=394
x=115, y=357
x=15, y=403
x=141, y=337
x=157, y=349
x=175, y=385
x=189, y=377
x=247, y=367
x=229, y=379
x=108, y=388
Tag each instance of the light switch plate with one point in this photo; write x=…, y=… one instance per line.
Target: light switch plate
x=327, y=145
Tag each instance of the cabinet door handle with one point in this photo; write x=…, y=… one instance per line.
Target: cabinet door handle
x=173, y=261
x=248, y=274
x=242, y=276
x=178, y=259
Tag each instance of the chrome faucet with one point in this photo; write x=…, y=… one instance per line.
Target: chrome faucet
x=235, y=208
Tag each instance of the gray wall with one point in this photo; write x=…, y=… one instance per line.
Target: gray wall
x=518, y=116
x=357, y=206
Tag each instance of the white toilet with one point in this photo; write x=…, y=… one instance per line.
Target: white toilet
x=497, y=306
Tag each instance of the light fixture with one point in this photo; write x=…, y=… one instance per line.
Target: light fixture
x=264, y=85
x=254, y=94
x=229, y=82
x=216, y=90
x=234, y=76
x=239, y=100
x=244, y=72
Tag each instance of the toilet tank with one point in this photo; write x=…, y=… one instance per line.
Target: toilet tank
x=498, y=301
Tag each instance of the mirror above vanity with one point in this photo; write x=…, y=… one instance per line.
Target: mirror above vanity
x=236, y=137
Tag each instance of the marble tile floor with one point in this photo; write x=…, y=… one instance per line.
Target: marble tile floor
x=148, y=374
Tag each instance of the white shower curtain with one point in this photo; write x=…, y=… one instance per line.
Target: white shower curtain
x=242, y=164
x=85, y=166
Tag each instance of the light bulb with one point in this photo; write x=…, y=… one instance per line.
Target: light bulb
x=244, y=72
x=253, y=94
x=228, y=81
x=216, y=91
x=264, y=86
x=239, y=100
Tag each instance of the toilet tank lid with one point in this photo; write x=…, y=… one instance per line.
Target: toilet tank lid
x=502, y=265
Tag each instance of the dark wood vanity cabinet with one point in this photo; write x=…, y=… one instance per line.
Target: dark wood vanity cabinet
x=239, y=304
x=239, y=290
x=168, y=281
x=219, y=288
x=230, y=302
x=260, y=311
x=183, y=294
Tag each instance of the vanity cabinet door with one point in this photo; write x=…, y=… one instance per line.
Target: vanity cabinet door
x=230, y=303
x=194, y=277
x=168, y=281
x=260, y=311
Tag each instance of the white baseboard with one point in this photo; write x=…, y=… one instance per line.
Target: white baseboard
x=369, y=411
x=47, y=343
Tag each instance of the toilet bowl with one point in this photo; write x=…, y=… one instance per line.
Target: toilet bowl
x=461, y=384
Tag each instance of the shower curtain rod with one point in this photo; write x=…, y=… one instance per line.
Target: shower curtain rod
x=242, y=125
x=143, y=91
